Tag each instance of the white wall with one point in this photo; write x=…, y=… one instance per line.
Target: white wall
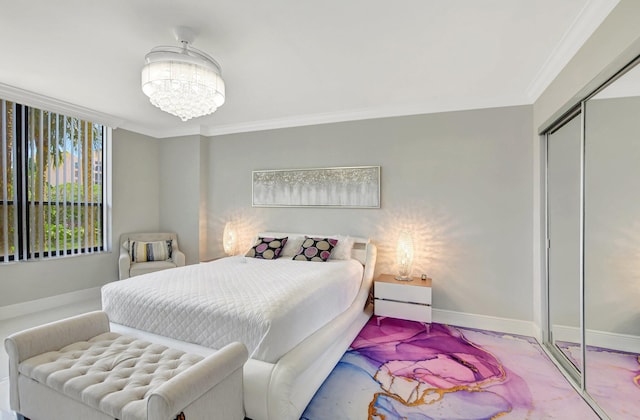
x=461, y=181
x=135, y=207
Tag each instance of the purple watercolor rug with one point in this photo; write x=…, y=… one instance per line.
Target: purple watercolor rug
x=398, y=370
x=613, y=378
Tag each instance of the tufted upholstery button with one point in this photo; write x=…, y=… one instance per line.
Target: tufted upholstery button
x=109, y=371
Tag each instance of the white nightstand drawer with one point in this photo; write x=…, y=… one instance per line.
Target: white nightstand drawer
x=403, y=292
x=408, y=311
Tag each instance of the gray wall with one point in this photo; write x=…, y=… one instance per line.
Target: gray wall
x=136, y=190
x=179, y=180
x=461, y=181
x=204, y=193
x=135, y=207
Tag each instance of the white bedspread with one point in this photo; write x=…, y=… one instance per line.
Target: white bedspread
x=270, y=306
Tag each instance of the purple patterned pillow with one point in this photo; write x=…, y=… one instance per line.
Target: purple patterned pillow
x=316, y=249
x=267, y=248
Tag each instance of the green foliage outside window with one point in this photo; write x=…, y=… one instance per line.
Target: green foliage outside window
x=62, y=178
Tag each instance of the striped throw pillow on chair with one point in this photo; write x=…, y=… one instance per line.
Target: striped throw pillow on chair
x=140, y=251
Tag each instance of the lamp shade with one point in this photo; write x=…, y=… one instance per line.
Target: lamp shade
x=404, y=255
x=183, y=81
x=229, y=239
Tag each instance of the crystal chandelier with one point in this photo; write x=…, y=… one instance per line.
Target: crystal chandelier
x=183, y=81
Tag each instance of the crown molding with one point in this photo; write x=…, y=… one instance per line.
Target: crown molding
x=360, y=114
x=47, y=103
x=163, y=133
x=326, y=118
x=583, y=26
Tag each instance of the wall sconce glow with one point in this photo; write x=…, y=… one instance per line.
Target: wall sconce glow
x=404, y=256
x=229, y=239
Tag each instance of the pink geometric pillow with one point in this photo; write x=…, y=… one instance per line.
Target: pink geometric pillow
x=267, y=248
x=316, y=249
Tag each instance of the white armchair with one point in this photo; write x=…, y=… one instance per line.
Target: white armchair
x=128, y=268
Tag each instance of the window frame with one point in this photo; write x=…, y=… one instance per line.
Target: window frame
x=23, y=203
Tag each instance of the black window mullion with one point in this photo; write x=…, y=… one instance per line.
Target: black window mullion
x=20, y=174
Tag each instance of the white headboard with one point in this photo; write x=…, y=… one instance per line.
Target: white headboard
x=358, y=252
x=363, y=250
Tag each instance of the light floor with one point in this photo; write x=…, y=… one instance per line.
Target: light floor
x=8, y=327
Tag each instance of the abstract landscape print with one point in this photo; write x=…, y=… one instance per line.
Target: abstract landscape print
x=404, y=370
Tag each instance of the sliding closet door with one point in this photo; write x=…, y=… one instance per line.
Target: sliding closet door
x=612, y=247
x=564, y=234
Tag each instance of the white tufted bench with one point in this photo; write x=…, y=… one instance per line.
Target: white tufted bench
x=77, y=369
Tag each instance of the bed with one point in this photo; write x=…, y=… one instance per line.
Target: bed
x=296, y=318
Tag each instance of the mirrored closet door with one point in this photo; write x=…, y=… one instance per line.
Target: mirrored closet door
x=612, y=246
x=564, y=236
x=593, y=245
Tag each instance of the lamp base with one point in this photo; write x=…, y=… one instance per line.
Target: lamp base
x=403, y=278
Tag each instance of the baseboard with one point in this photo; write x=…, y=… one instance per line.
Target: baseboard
x=604, y=339
x=32, y=306
x=565, y=333
x=537, y=333
x=486, y=322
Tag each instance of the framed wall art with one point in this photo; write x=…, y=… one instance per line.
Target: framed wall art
x=345, y=187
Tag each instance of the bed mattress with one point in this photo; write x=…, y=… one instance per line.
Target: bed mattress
x=269, y=305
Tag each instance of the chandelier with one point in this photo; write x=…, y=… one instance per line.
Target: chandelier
x=183, y=81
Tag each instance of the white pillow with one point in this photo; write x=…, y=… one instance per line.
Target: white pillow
x=342, y=250
x=292, y=246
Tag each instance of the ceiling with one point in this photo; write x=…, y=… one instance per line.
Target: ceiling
x=296, y=62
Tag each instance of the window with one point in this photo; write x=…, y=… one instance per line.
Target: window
x=51, y=191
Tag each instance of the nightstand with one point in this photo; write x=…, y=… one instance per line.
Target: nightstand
x=410, y=300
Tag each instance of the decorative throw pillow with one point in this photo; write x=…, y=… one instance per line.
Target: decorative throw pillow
x=140, y=251
x=342, y=251
x=293, y=245
x=267, y=248
x=316, y=249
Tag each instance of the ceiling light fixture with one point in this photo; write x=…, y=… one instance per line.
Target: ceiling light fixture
x=183, y=81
